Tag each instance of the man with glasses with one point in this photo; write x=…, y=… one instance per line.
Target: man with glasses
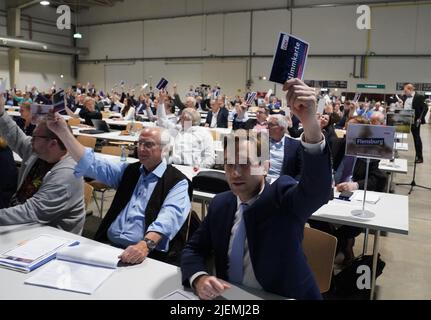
x=260, y=123
x=152, y=201
x=48, y=192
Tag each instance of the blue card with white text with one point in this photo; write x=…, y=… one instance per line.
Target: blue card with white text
x=162, y=84
x=289, y=59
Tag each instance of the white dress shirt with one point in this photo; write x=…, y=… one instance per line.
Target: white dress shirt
x=249, y=279
x=408, y=105
x=193, y=147
x=276, y=152
x=214, y=120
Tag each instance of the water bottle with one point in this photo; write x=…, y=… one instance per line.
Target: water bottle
x=123, y=156
x=331, y=197
x=132, y=127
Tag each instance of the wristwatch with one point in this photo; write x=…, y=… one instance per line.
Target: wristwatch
x=150, y=244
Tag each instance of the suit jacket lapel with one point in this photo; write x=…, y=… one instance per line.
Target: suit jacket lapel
x=285, y=158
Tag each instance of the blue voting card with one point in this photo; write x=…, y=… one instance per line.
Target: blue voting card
x=162, y=84
x=251, y=97
x=289, y=59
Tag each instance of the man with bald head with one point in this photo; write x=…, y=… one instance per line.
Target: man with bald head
x=152, y=201
x=48, y=192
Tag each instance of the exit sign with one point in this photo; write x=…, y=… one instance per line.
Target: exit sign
x=370, y=86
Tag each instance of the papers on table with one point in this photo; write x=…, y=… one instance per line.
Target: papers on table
x=81, y=268
x=369, y=198
x=179, y=295
x=70, y=276
x=33, y=253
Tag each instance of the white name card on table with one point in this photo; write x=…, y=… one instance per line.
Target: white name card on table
x=369, y=198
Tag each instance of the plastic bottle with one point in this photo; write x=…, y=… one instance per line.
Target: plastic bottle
x=132, y=127
x=123, y=156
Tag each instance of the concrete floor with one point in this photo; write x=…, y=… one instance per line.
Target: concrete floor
x=408, y=257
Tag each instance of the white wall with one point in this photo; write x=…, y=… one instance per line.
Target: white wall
x=39, y=69
x=229, y=73
x=144, y=9
x=330, y=31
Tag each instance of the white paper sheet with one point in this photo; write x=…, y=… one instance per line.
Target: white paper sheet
x=36, y=248
x=70, y=276
x=96, y=255
x=369, y=198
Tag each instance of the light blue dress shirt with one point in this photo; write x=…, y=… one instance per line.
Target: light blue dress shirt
x=129, y=226
x=276, y=152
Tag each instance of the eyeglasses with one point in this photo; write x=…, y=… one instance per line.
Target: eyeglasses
x=146, y=144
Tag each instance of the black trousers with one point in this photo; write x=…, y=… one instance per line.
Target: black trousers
x=416, y=131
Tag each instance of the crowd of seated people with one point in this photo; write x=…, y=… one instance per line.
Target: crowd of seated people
x=180, y=137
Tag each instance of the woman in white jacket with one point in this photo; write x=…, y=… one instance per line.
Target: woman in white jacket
x=192, y=145
x=128, y=111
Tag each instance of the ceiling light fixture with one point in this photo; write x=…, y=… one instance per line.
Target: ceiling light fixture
x=44, y=3
x=77, y=35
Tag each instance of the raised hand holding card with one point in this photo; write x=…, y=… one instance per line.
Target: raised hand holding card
x=289, y=59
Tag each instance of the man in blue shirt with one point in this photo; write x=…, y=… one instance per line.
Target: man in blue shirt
x=152, y=201
x=285, y=152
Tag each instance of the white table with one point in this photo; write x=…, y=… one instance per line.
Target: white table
x=113, y=135
x=391, y=215
x=149, y=280
x=401, y=136
x=11, y=108
x=124, y=123
x=392, y=167
x=404, y=146
x=13, y=113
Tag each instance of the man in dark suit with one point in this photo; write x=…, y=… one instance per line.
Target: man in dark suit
x=255, y=230
x=415, y=101
x=285, y=152
x=217, y=117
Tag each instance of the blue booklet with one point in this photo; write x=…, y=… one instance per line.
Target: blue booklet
x=289, y=59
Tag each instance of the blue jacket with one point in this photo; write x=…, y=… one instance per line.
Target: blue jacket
x=275, y=228
x=292, y=161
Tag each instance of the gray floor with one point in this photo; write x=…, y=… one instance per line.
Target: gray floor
x=407, y=257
